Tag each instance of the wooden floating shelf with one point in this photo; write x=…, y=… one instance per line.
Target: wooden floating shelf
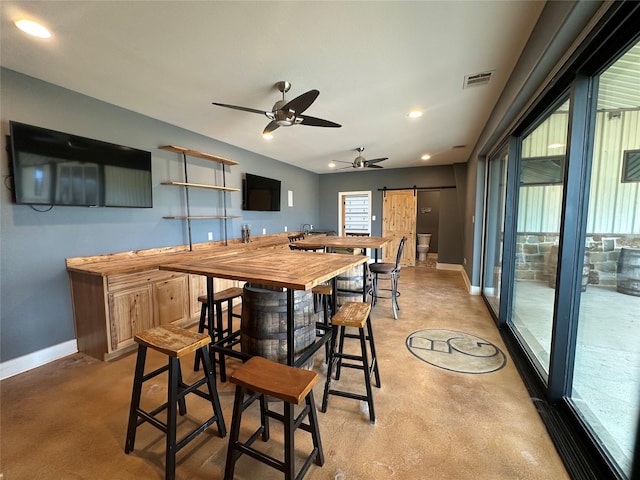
x=197, y=154
x=201, y=185
x=199, y=217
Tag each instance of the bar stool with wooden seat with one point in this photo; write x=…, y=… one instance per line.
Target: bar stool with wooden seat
x=218, y=331
x=353, y=315
x=259, y=378
x=175, y=343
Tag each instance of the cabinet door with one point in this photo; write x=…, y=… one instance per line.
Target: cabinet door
x=131, y=311
x=198, y=286
x=170, y=301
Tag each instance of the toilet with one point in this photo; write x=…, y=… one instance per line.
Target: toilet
x=423, y=245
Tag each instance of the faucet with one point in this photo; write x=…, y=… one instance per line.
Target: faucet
x=306, y=227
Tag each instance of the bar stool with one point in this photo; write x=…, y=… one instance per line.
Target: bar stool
x=259, y=378
x=321, y=298
x=354, y=315
x=219, y=331
x=392, y=272
x=175, y=342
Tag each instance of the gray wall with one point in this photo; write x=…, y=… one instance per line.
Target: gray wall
x=35, y=303
x=448, y=177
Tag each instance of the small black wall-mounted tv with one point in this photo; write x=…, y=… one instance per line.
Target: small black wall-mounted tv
x=56, y=168
x=260, y=193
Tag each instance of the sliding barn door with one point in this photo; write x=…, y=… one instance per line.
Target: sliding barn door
x=399, y=220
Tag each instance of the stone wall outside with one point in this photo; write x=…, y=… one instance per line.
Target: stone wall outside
x=535, y=258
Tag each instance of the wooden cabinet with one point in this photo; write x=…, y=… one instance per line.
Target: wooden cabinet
x=186, y=184
x=171, y=301
x=116, y=295
x=130, y=312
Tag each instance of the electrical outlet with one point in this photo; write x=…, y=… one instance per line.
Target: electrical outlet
x=285, y=228
x=210, y=235
x=373, y=218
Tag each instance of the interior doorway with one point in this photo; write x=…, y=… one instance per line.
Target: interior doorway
x=354, y=212
x=428, y=219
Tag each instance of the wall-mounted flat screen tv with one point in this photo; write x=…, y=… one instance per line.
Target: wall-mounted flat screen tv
x=261, y=193
x=56, y=168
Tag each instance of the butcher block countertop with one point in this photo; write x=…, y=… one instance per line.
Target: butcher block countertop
x=140, y=260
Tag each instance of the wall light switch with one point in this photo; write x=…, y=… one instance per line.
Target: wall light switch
x=264, y=231
x=210, y=235
x=290, y=198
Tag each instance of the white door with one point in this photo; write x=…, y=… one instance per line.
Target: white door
x=354, y=212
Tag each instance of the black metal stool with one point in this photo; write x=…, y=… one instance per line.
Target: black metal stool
x=219, y=331
x=392, y=272
x=175, y=342
x=355, y=315
x=322, y=299
x=259, y=378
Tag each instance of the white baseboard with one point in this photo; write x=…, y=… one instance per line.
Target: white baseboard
x=37, y=359
x=448, y=266
x=473, y=290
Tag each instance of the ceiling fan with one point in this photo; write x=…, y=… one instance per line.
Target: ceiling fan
x=286, y=113
x=361, y=162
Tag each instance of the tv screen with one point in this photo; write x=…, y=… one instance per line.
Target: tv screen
x=261, y=193
x=56, y=168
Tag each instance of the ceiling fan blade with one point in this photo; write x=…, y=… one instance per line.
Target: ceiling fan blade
x=271, y=126
x=348, y=163
x=244, y=109
x=376, y=160
x=302, y=102
x=374, y=166
x=316, y=122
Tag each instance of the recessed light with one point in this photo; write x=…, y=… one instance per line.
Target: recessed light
x=332, y=164
x=426, y=156
x=33, y=28
x=415, y=114
x=267, y=136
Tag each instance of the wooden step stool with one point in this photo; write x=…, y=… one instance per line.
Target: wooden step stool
x=355, y=315
x=175, y=342
x=259, y=378
x=219, y=332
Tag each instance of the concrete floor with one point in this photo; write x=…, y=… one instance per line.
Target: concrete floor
x=68, y=419
x=607, y=369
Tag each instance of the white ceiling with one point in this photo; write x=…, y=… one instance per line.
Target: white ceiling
x=372, y=61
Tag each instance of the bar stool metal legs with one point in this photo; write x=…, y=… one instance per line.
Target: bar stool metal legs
x=175, y=342
x=260, y=377
x=217, y=331
x=355, y=315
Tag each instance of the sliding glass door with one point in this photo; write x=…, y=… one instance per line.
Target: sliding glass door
x=494, y=236
x=561, y=254
x=606, y=375
x=540, y=189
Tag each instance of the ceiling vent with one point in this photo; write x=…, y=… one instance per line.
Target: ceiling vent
x=477, y=79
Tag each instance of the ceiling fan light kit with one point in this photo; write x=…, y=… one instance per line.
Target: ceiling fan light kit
x=287, y=113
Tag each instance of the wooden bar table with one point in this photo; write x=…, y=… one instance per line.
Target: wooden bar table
x=291, y=270
x=320, y=241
